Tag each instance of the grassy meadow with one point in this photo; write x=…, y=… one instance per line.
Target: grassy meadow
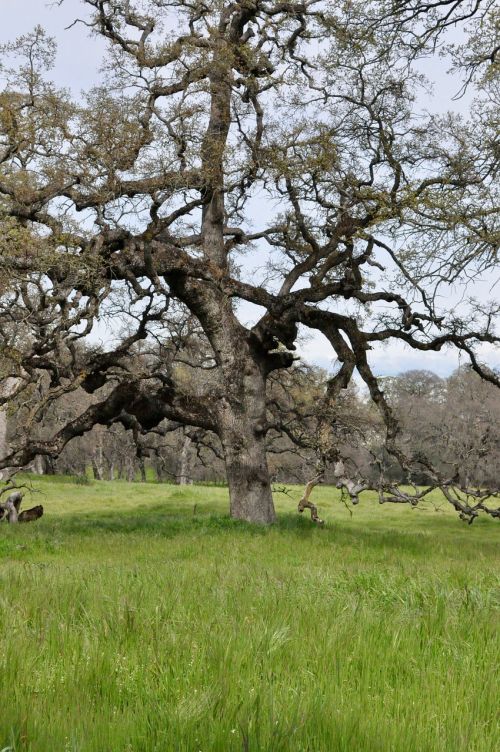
x=140, y=618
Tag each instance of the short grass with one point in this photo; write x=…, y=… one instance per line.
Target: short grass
x=140, y=618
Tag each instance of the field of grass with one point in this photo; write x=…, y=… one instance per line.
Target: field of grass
x=140, y=618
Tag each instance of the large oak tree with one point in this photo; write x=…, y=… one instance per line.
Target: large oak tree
x=249, y=152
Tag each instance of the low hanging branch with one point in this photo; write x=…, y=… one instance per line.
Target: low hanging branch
x=305, y=503
x=10, y=510
x=469, y=502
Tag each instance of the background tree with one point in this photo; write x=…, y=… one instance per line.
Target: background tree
x=455, y=421
x=142, y=201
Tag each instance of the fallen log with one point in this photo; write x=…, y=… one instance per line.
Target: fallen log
x=10, y=510
x=29, y=515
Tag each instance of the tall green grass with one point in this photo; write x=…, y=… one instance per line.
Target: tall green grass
x=140, y=618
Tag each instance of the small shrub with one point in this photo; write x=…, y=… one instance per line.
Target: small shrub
x=82, y=480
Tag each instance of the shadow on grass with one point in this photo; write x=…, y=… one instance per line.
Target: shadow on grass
x=418, y=537
x=153, y=521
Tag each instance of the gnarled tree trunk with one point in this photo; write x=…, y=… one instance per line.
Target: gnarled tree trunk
x=242, y=421
x=248, y=477
x=6, y=389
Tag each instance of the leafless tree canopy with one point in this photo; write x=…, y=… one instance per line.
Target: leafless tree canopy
x=262, y=152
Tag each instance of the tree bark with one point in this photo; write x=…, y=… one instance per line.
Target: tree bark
x=158, y=465
x=6, y=389
x=130, y=471
x=96, y=469
x=49, y=466
x=184, y=469
x=248, y=477
x=38, y=465
x=142, y=468
x=4, y=448
x=242, y=421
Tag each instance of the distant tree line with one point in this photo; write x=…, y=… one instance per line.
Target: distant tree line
x=454, y=421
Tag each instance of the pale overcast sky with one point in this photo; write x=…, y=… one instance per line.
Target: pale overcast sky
x=77, y=67
x=78, y=56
